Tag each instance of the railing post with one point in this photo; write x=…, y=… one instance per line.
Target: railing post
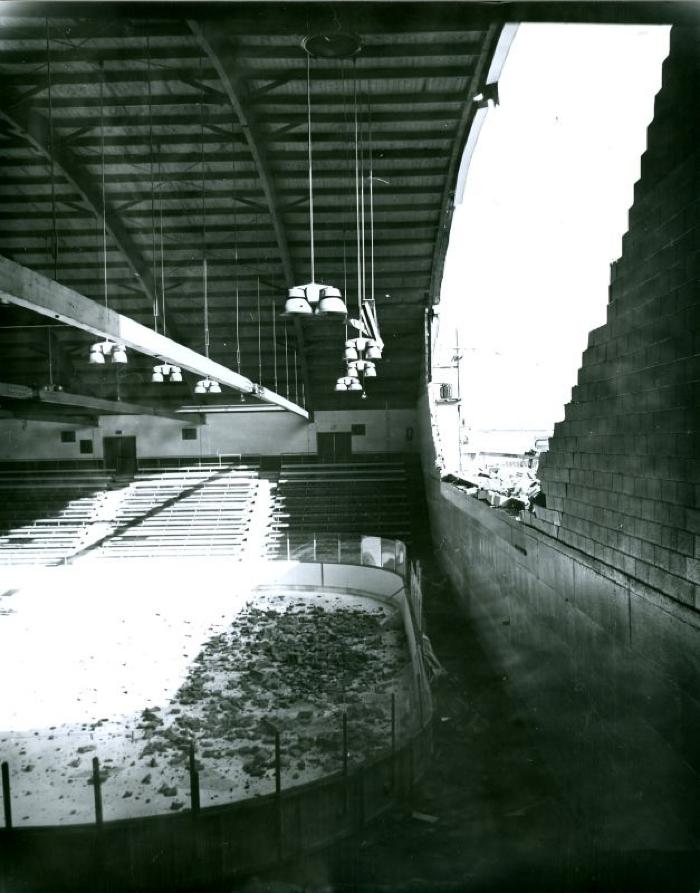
x=278, y=794
x=6, y=796
x=194, y=782
x=393, y=741
x=419, y=692
x=97, y=785
x=346, y=787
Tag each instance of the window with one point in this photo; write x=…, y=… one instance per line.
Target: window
x=357, y=429
x=86, y=446
x=67, y=436
x=189, y=433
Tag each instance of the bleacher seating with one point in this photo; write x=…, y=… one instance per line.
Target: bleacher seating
x=46, y=515
x=184, y=512
x=319, y=503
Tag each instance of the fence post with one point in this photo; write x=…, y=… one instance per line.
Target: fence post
x=393, y=741
x=194, y=782
x=97, y=785
x=6, y=798
x=278, y=794
x=419, y=692
x=344, y=763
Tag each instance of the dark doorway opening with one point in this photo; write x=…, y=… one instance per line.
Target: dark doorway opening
x=334, y=446
x=120, y=454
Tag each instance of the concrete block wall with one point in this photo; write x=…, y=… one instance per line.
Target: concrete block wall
x=621, y=476
x=604, y=669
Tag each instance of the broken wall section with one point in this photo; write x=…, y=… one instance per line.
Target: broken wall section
x=622, y=469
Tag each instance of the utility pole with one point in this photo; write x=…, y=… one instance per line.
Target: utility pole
x=457, y=361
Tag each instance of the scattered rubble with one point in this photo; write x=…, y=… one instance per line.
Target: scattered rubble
x=512, y=487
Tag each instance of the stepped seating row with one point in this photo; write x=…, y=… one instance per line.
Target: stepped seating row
x=349, y=499
x=45, y=514
x=211, y=519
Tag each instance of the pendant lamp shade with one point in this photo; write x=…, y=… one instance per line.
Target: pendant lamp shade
x=373, y=352
x=119, y=354
x=176, y=375
x=214, y=387
x=331, y=302
x=96, y=356
x=351, y=353
x=157, y=377
x=355, y=386
x=352, y=372
x=370, y=371
x=297, y=303
x=340, y=385
x=199, y=388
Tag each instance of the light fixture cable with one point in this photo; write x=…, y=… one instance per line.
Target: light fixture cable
x=153, y=185
x=104, y=194
x=52, y=169
x=311, y=168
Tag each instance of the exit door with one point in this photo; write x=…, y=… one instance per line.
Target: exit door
x=334, y=446
x=120, y=454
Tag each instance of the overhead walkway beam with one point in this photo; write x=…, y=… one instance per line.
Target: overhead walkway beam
x=26, y=288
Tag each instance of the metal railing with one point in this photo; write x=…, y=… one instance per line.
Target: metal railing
x=344, y=548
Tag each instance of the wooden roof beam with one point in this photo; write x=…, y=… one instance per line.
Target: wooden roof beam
x=35, y=128
x=96, y=405
x=224, y=61
x=26, y=288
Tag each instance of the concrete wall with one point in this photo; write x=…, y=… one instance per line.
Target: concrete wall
x=590, y=613
x=623, y=467
x=607, y=670
x=252, y=433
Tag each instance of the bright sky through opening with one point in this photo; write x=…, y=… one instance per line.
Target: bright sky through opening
x=544, y=211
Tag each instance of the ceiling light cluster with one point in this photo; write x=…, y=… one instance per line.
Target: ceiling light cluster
x=314, y=299
x=207, y=386
x=103, y=349
x=166, y=370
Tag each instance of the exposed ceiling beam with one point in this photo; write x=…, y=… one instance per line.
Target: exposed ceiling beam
x=224, y=61
x=26, y=288
x=36, y=413
x=34, y=126
x=110, y=407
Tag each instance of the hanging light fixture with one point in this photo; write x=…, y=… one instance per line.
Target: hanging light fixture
x=207, y=386
x=107, y=348
x=331, y=303
x=97, y=358
x=374, y=351
x=102, y=349
x=166, y=370
x=313, y=297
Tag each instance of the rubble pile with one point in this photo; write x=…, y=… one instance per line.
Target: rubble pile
x=513, y=488
x=286, y=661
x=293, y=671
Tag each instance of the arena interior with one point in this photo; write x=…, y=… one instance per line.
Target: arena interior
x=256, y=632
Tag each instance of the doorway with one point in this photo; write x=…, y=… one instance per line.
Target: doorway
x=334, y=446
x=120, y=454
